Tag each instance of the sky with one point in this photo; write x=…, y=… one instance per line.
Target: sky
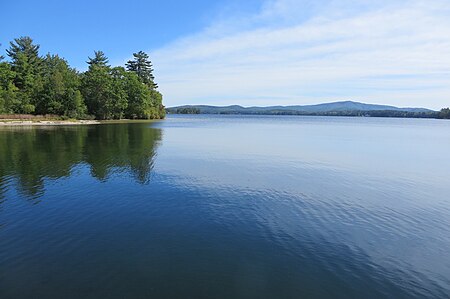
x=257, y=52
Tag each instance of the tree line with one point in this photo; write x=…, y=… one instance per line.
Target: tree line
x=185, y=110
x=445, y=113
x=442, y=114
x=35, y=84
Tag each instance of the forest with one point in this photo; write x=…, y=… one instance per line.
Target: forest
x=299, y=111
x=47, y=85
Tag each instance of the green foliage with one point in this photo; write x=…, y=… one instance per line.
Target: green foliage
x=25, y=61
x=8, y=91
x=139, y=97
x=142, y=66
x=99, y=59
x=158, y=108
x=26, y=64
x=119, y=98
x=96, y=89
x=58, y=89
x=30, y=83
x=114, y=93
x=24, y=45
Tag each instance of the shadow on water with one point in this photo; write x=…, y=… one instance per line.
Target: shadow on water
x=30, y=156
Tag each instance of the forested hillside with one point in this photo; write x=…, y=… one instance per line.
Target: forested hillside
x=345, y=108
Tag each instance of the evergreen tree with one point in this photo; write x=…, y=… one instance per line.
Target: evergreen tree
x=24, y=45
x=142, y=66
x=26, y=64
x=103, y=88
x=8, y=91
x=25, y=61
x=99, y=59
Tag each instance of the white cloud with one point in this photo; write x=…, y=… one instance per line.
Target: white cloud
x=298, y=52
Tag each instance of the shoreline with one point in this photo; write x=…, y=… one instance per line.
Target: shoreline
x=24, y=123
x=35, y=123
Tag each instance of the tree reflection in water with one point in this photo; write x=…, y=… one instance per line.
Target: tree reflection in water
x=28, y=156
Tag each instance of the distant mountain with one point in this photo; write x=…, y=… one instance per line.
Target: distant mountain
x=349, y=108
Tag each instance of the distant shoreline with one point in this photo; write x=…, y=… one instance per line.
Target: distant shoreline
x=309, y=115
x=345, y=108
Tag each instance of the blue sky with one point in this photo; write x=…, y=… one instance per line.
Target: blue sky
x=76, y=28
x=257, y=52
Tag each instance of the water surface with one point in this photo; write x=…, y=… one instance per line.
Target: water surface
x=227, y=207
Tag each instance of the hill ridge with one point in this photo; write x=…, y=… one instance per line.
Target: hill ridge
x=330, y=107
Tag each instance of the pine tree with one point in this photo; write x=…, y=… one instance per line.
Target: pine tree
x=26, y=64
x=25, y=61
x=142, y=66
x=99, y=59
x=103, y=88
x=24, y=45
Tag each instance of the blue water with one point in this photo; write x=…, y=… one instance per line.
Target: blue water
x=227, y=207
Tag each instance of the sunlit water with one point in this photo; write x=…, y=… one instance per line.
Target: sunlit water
x=227, y=207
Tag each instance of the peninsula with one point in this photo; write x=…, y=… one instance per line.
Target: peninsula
x=32, y=84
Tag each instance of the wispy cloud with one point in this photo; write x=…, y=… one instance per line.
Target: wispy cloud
x=298, y=52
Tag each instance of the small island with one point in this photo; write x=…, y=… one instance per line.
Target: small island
x=37, y=89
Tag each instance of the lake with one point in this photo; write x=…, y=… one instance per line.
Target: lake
x=227, y=207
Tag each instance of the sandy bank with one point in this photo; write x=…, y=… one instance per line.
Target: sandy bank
x=4, y=123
